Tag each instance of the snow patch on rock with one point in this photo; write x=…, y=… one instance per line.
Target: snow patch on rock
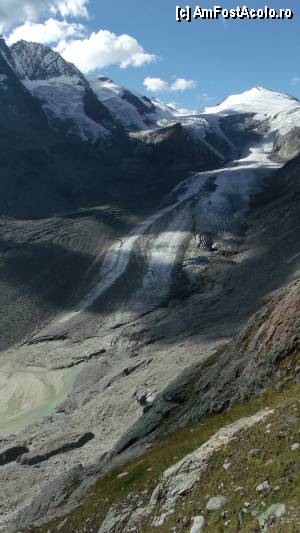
x=63, y=99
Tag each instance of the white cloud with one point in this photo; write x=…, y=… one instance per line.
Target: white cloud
x=49, y=32
x=156, y=85
x=102, y=49
x=14, y=11
x=183, y=110
x=180, y=84
x=73, y=8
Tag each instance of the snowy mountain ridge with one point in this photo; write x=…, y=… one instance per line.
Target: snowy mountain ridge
x=91, y=108
x=63, y=90
x=61, y=87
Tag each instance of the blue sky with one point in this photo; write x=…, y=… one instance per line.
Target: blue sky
x=222, y=58
x=219, y=57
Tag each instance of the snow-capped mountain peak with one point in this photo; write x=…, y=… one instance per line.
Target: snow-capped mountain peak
x=281, y=111
x=257, y=99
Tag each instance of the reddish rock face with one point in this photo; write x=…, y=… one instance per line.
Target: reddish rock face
x=274, y=332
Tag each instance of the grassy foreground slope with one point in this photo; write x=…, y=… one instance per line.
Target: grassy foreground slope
x=264, y=453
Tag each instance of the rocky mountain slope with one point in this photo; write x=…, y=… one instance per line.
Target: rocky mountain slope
x=149, y=291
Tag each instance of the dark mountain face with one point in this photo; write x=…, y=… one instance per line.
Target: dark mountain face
x=43, y=168
x=138, y=103
x=24, y=138
x=6, y=52
x=36, y=61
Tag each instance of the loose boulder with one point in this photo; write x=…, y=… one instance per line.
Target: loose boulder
x=214, y=504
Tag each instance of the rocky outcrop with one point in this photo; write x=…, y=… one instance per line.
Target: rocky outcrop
x=61, y=444
x=179, y=480
x=287, y=146
x=251, y=364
